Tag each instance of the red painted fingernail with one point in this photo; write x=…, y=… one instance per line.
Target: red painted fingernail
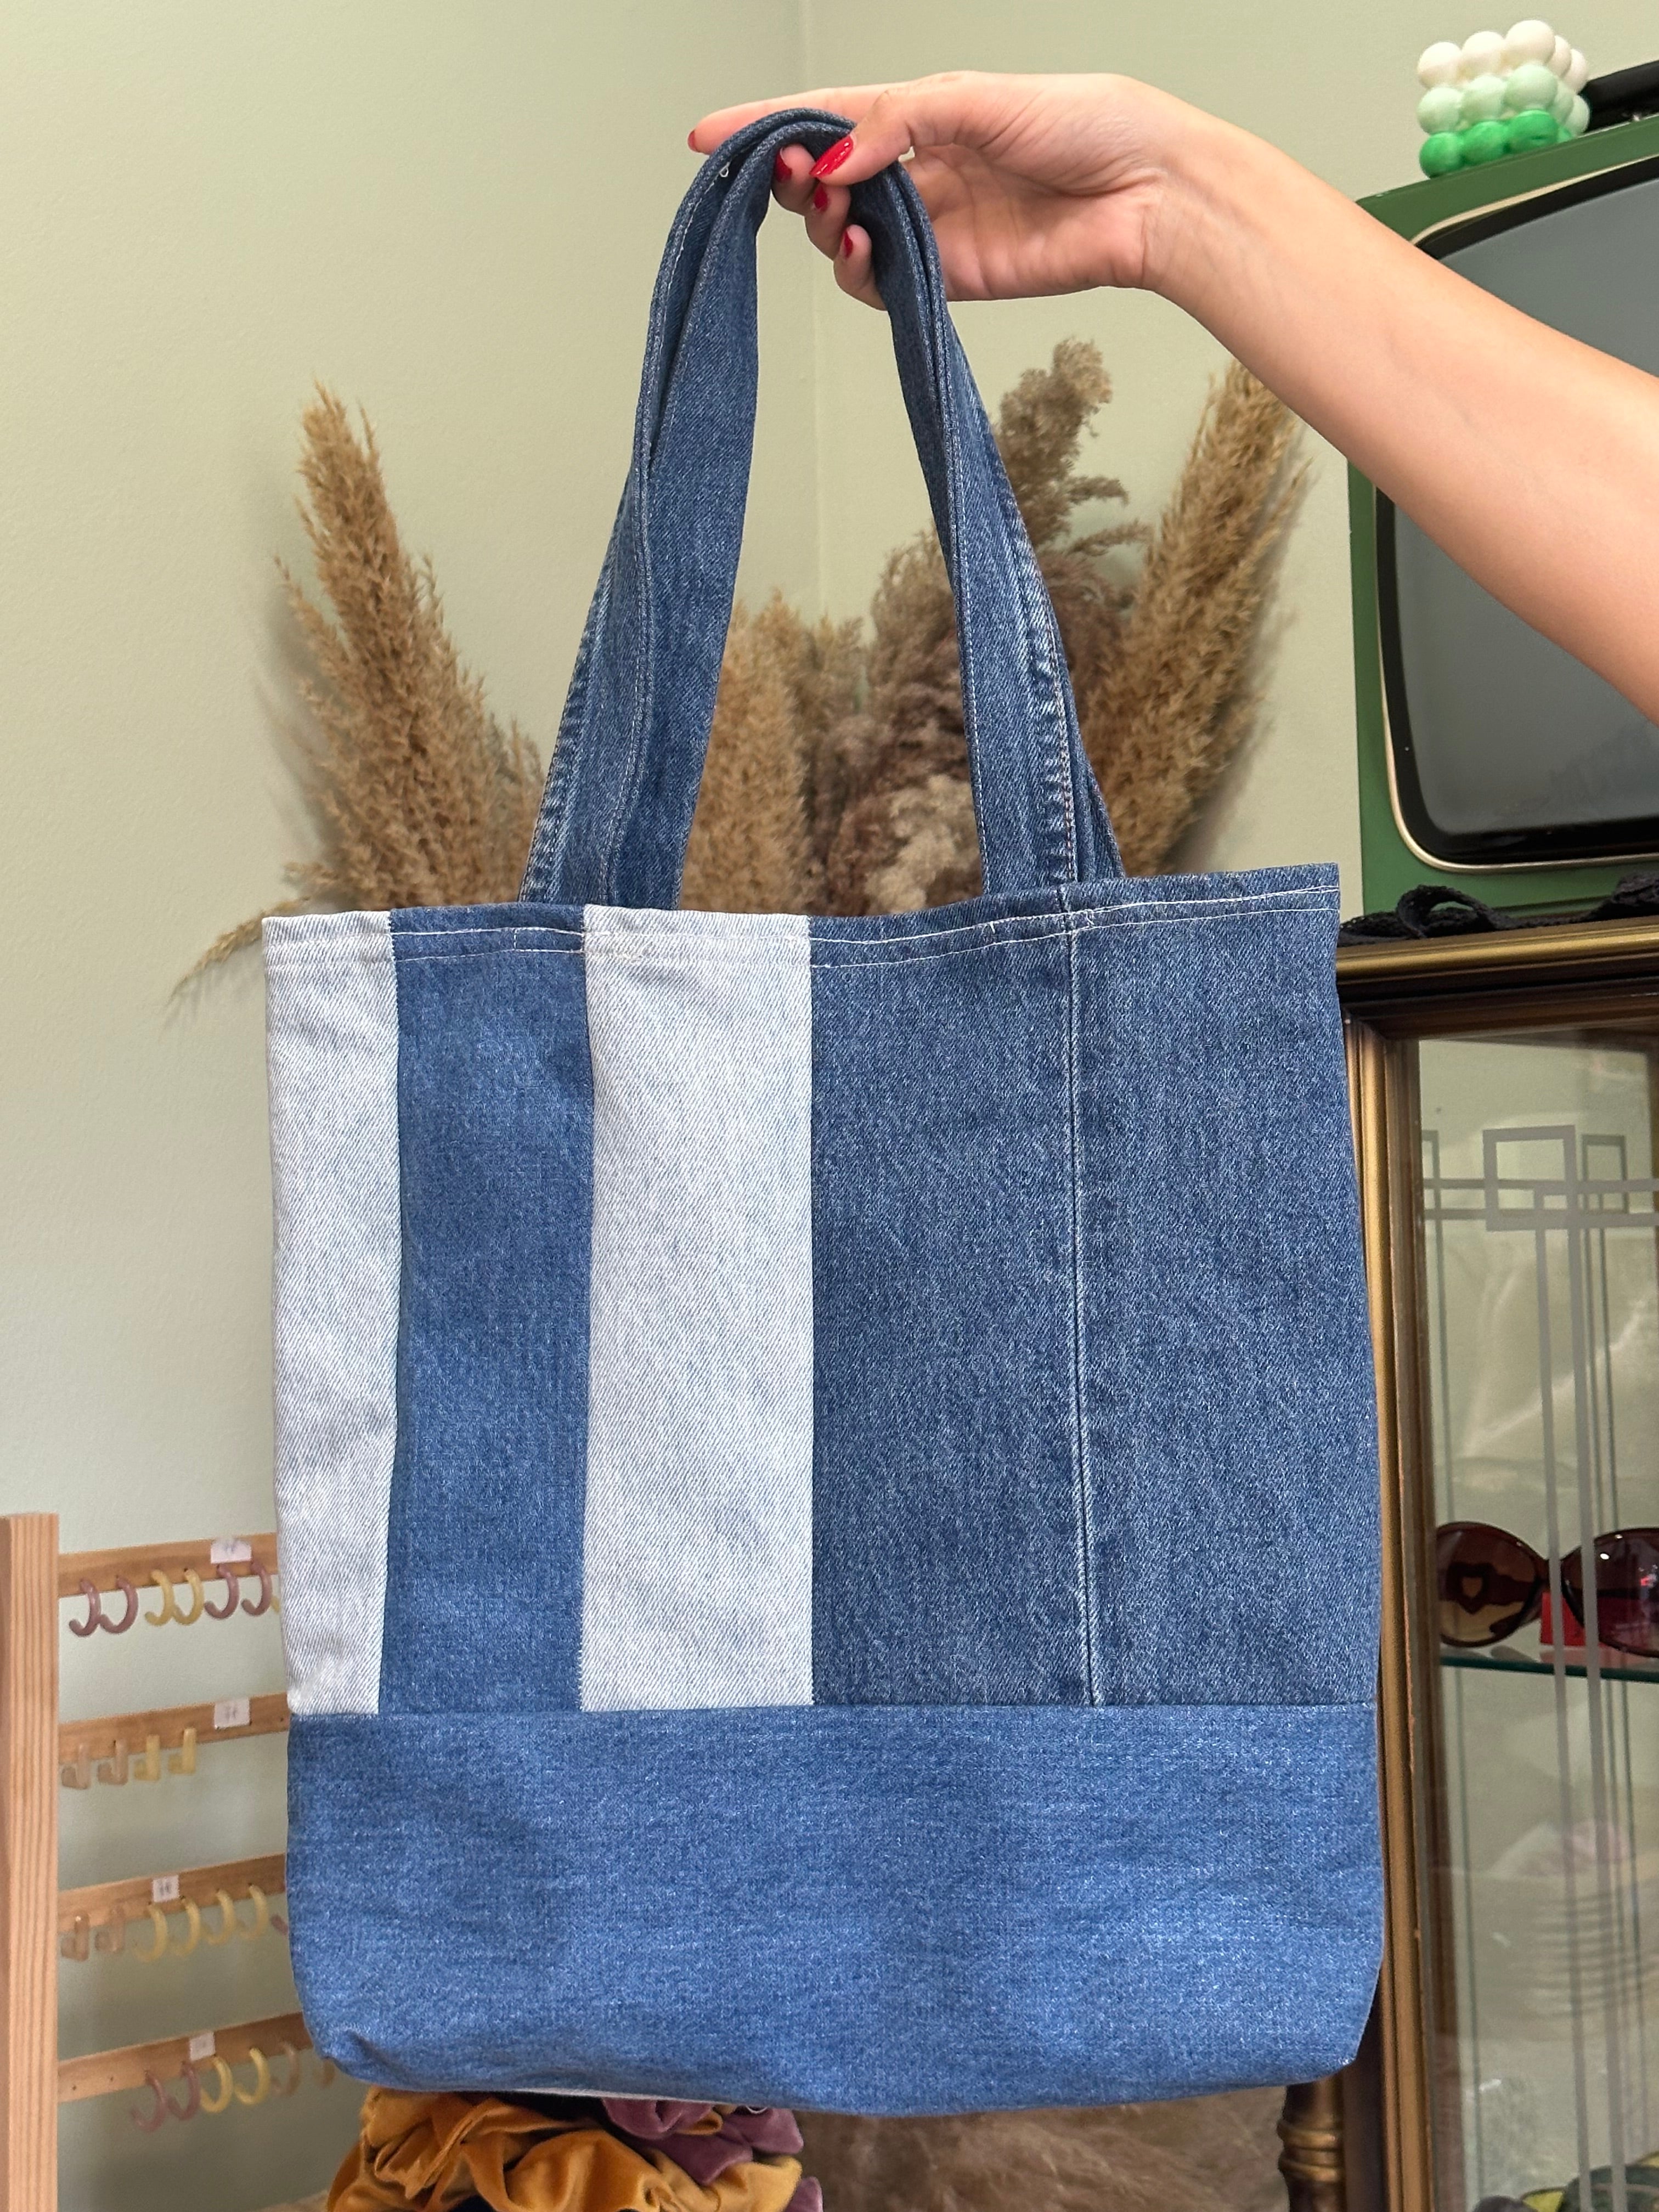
x=691, y=140
x=820, y=199
x=847, y=246
x=832, y=159
x=781, y=171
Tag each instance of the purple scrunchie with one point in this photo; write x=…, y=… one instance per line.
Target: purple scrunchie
x=661, y=2125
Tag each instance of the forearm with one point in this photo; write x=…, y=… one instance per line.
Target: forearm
x=1532, y=460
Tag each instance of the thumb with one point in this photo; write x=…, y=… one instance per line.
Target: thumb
x=959, y=108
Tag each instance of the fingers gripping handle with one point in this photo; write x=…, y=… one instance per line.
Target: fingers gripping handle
x=616, y=812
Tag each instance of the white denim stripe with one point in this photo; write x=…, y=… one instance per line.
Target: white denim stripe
x=331, y=1042
x=697, y=1544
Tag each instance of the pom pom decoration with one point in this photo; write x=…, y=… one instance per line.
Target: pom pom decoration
x=1530, y=86
x=1484, y=55
x=1485, y=141
x=1531, y=41
x=1496, y=94
x=1532, y=130
x=1441, y=154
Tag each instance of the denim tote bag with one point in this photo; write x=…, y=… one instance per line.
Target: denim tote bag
x=826, y=1468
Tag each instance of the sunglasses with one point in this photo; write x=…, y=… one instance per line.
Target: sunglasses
x=1491, y=1583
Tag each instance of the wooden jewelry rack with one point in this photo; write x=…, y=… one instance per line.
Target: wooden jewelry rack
x=40, y=1754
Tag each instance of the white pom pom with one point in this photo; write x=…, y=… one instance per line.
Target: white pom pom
x=1483, y=101
x=1441, y=64
x=1578, y=120
x=1561, y=59
x=1578, y=71
x=1530, y=40
x=1561, y=106
x=1483, y=55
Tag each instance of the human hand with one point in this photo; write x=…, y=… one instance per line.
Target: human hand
x=1034, y=184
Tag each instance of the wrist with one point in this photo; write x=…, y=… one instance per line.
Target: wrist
x=1209, y=173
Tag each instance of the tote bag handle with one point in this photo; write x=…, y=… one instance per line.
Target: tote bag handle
x=616, y=812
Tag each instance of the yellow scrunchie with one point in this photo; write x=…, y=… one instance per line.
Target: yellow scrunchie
x=429, y=2153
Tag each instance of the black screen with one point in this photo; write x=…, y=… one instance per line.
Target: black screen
x=1506, y=748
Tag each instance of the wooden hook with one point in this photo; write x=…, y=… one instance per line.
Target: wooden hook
x=183, y=1761
x=75, y=1942
x=261, y=1915
x=112, y=1937
x=114, y=1769
x=147, y=1768
x=290, y=2080
x=77, y=1775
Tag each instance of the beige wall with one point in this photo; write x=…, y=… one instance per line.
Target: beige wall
x=451, y=214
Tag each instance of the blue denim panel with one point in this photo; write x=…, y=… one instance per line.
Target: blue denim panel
x=858, y=1909
x=946, y=1547
x=495, y=1122
x=1232, y=1443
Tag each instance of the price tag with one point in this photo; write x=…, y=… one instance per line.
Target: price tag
x=229, y=1551
x=230, y=1712
x=164, y=1890
x=201, y=2046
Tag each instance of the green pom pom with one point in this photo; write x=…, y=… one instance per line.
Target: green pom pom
x=1482, y=100
x=1441, y=108
x=1530, y=86
x=1485, y=141
x=1531, y=130
x=1440, y=155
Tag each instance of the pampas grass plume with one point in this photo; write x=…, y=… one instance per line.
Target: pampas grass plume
x=423, y=797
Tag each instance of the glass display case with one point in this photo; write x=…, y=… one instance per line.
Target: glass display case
x=1506, y=1094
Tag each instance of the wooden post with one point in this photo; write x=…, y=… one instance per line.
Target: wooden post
x=1310, y=2129
x=28, y=1862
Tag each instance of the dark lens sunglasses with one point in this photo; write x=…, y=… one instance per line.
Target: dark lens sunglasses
x=1491, y=1583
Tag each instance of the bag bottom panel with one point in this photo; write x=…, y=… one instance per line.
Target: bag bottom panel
x=883, y=1909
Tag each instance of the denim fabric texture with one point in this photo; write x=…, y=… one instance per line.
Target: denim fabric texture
x=496, y=1111
x=878, y=1909
x=697, y=1555
x=874, y=1602
x=331, y=1015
